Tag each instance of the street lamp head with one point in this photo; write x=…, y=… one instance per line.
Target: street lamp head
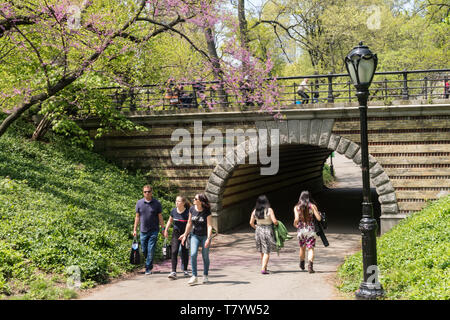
x=361, y=64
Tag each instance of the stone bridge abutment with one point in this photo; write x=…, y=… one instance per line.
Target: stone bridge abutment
x=297, y=133
x=409, y=147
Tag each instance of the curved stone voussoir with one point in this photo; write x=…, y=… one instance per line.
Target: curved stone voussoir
x=357, y=158
x=216, y=180
x=376, y=170
x=389, y=208
x=334, y=142
x=343, y=145
x=221, y=172
x=211, y=188
x=388, y=198
x=380, y=179
x=212, y=197
x=385, y=188
x=351, y=150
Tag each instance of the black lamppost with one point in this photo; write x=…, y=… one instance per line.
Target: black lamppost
x=361, y=64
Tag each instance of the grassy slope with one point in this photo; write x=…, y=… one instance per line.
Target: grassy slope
x=62, y=206
x=413, y=257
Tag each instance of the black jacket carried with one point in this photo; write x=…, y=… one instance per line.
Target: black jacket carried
x=319, y=226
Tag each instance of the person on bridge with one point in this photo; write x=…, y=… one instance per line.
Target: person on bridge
x=179, y=216
x=302, y=91
x=306, y=233
x=200, y=220
x=149, y=214
x=264, y=217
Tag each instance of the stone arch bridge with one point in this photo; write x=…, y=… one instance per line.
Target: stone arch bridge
x=409, y=147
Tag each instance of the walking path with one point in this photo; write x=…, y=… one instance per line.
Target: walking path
x=235, y=270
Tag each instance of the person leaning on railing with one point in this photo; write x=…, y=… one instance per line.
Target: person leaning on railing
x=302, y=91
x=171, y=94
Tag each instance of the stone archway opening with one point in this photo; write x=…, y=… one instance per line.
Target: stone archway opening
x=304, y=146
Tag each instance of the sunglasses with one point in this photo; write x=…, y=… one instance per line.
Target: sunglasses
x=147, y=191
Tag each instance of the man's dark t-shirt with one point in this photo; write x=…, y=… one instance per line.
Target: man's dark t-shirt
x=179, y=219
x=148, y=214
x=199, y=221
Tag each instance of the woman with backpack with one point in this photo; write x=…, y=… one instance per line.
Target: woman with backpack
x=305, y=211
x=264, y=217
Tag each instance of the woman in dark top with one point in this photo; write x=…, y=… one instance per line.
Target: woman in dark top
x=179, y=216
x=200, y=220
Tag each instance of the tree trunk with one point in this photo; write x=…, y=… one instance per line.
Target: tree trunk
x=217, y=70
x=42, y=128
x=24, y=106
x=243, y=30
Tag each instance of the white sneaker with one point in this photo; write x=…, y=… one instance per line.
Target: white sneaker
x=193, y=280
x=173, y=275
x=205, y=279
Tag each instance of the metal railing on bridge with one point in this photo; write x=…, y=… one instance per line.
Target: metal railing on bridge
x=330, y=88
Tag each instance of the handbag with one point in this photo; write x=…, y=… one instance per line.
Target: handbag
x=187, y=242
x=135, y=256
x=166, y=250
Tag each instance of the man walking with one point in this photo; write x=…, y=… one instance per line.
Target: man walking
x=149, y=214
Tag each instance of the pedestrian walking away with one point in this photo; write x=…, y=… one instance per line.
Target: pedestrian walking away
x=200, y=222
x=264, y=217
x=304, y=212
x=149, y=216
x=179, y=217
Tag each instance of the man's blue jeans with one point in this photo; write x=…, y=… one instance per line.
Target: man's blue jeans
x=148, y=244
x=197, y=241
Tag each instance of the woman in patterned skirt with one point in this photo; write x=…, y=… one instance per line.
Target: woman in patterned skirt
x=264, y=217
x=304, y=212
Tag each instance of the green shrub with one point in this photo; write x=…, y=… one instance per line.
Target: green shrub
x=63, y=206
x=413, y=257
x=327, y=177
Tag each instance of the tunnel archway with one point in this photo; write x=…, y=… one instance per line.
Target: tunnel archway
x=312, y=140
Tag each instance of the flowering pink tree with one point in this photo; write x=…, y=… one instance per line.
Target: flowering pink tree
x=52, y=50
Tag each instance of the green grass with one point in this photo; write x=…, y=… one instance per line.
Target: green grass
x=328, y=179
x=63, y=206
x=413, y=257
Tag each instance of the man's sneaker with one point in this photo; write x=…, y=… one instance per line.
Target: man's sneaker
x=205, y=279
x=147, y=272
x=173, y=275
x=193, y=280
x=186, y=273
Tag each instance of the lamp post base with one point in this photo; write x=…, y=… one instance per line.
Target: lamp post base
x=369, y=291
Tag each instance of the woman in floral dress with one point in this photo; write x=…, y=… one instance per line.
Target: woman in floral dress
x=264, y=217
x=304, y=212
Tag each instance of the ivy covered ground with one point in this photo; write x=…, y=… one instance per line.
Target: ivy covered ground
x=62, y=206
x=413, y=257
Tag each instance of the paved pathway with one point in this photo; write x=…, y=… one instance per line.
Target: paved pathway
x=235, y=269
x=235, y=274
